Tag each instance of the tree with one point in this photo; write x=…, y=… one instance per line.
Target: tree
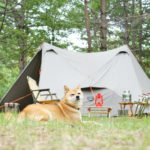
x=24, y=29
x=87, y=22
x=140, y=27
x=103, y=26
x=21, y=26
x=126, y=23
x=24, y=25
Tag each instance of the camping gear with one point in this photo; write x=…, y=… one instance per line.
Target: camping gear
x=99, y=100
x=90, y=98
x=126, y=96
x=130, y=104
x=11, y=107
x=109, y=73
x=92, y=110
x=40, y=95
x=123, y=112
x=142, y=104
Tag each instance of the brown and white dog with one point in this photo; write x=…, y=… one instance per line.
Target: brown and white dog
x=66, y=110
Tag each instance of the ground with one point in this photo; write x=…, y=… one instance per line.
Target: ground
x=122, y=133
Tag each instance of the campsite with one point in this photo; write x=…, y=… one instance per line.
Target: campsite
x=74, y=75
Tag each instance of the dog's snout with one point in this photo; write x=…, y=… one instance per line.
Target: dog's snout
x=77, y=97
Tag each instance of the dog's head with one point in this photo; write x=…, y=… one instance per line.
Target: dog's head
x=73, y=97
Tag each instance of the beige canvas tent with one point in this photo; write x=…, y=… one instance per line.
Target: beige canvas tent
x=109, y=72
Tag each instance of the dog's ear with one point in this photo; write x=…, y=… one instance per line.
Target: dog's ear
x=78, y=87
x=66, y=88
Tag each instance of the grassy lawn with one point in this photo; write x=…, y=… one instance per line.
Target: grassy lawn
x=94, y=134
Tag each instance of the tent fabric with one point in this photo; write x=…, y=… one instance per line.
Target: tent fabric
x=113, y=71
x=117, y=70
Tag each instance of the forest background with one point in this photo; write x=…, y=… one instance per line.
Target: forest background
x=79, y=25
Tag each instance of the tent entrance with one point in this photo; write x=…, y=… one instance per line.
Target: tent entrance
x=111, y=99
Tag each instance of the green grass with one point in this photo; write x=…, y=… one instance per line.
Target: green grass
x=95, y=133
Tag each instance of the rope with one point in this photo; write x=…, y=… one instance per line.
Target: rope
x=92, y=91
x=16, y=100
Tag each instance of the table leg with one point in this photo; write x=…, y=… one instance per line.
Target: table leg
x=131, y=110
x=124, y=106
x=121, y=106
x=136, y=110
x=89, y=112
x=109, y=110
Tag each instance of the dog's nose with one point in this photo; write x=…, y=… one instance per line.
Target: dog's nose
x=77, y=97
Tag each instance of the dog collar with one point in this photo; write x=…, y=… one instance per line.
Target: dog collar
x=73, y=107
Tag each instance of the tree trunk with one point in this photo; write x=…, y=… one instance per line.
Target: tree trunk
x=19, y=17
x=103, y=26
x=22, y=59
x=126, y=25
x=133, y=26
x=140, y=28
x=87, y=22
x=96, y=33
x=53, y=36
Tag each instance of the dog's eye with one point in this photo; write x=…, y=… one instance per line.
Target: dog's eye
x=79, y=93
x=72, y=94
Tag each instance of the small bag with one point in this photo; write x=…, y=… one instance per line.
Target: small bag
x=11, y=107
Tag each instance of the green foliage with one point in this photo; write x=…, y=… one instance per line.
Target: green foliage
x=28, y=23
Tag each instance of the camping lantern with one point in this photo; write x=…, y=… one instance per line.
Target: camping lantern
x=99, y=101
x=126, y=96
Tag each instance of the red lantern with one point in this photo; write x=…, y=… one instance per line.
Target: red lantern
x=99, y=101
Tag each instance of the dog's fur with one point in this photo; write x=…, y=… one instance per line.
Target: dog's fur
x=66, y=110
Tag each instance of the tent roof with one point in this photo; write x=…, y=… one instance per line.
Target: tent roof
x=116, y=69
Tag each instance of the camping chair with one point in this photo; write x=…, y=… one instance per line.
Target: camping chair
x=41, y=95
x=142, y=104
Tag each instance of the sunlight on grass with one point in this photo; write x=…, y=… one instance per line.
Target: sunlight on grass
x=94, y=134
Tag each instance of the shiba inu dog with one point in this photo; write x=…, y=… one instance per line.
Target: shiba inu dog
x=66, y=110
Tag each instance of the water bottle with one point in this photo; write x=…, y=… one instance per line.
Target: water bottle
x=124, y=96
x=128, y=97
